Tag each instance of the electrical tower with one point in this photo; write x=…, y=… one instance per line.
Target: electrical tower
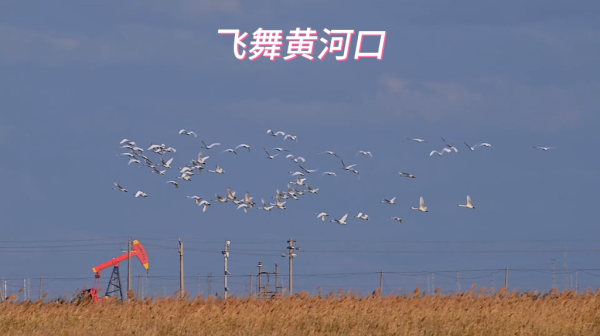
x=226, y=256
x=291, y=256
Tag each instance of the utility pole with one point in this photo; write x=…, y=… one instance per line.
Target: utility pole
x=553, y=273
x=506, y=278
x=209, y=281
x=128, y=266
x=381, y=282
x=226, y=255
x=457, y=283
x=40, y=288
x=492, y=274
x=291, y=256
x=24, y=290
x=137, y=292
x=565, y=284
x=260, y=291
x=251, y=276
x=181, y=288
x=576, y=283
x=432, y=283
x=276, y=280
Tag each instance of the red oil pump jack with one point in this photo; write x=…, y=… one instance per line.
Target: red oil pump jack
x=114, y=285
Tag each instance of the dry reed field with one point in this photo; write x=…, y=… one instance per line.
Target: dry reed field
x=467, y=313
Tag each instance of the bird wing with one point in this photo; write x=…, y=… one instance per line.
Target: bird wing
x=469, y=200
x=169, y=162
x=182, y=131
x=421, y=202
x=393, y=199
x=343, y=219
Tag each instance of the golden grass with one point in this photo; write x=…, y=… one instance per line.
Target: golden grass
x=468, y=313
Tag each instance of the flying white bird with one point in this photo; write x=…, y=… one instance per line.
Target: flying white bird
x=469, y=205
x=347, y=167
x=341, y=221
x=195, y=198
x=133, y=161
x=230, y=150
x=185, y=177
x=166, y=164
x=205, y=203
x=389, y=201
x=299, y=181
x=544, y=148
x=119, y=187
x=436, y=152
x=279, y=149
x=211, y=145
x=248, y=199
x=308, y=171
x=231, y=194
x=130, y=143
x=201, y=159
x=159, y=172
x=217, y=170
x=291, y=137
x=417, y=140
x=140, y=194
x=330, y=153
x=300, y=158
x=182, y=131
x=362, y=216
x=174, y=183
x=265, y=207
x=471, y=148
x=271, y=133
x=329, y=174
x=298, y=173
x=407, y=175
x=243, y=145
x=137, y=149
x=321, y=215
x=398, y=219
x=279, y=204
x=221, y=199
x=311, y=190
x=365, y=153
x=484, y=144
x=245, y=206
x=355, y=172
x=449, y=145
x=127, y=154
x=269, y=155
x=421, y=207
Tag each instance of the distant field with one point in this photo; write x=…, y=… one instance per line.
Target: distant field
x=468, y=313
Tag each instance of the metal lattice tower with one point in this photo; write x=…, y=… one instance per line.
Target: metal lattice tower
x=114, y=285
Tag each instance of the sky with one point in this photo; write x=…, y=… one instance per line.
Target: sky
x=78, y=78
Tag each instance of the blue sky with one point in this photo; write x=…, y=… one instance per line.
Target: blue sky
x=78, y=78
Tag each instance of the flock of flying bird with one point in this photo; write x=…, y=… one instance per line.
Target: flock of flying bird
x=136, y=155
